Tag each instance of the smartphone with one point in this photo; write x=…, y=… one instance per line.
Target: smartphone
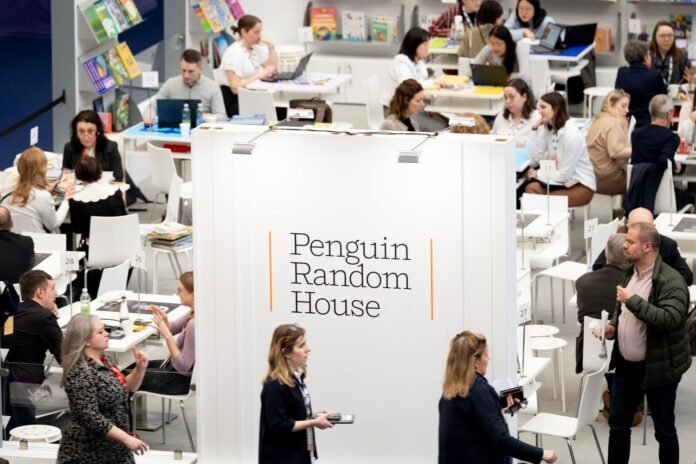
x=338, y=418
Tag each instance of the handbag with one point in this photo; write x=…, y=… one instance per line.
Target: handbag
x=322, y=110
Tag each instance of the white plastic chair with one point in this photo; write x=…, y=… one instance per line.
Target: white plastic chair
x=591, y=347
x=375, y=114
x=665, y=198
x=589, y=94
x=600, y=238
x=114, y=278
x=112, y=241
x=567, y=427
x=551, y=253
x=47, y=242
x=163, y=167
x=257, y=102
x=166, y=420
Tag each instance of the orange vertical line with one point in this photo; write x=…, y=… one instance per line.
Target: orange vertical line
x=432, y=284
x=270, y=271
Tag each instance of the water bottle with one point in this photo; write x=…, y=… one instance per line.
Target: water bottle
x=199, y=115
x=186, y=114
x=123, y=314
x=84, y=302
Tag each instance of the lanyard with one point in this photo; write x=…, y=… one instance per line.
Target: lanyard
x=554, y=147
x=469, y=23
x=114, y=370
x=513, y=128
x=668, y=78
x=308, y=410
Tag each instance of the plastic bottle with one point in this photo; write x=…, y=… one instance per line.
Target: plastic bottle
x=84, y=302
x=123, y=314
x=199, y=115
x=186, y=114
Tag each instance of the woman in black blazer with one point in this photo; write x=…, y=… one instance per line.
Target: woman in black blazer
x=87, y=139
x=641, y=82
x=472, y=426
x=287, y=423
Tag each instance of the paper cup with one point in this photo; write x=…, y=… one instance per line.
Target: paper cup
x=673, y=90
x=127, y=327
x=185, y=128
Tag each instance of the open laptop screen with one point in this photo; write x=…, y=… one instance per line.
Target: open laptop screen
x=549, y=39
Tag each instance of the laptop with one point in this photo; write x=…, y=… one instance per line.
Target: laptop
x=169, y=112
x=580, y=34
x=492, y=75
x=550, y=40
x=289, y=76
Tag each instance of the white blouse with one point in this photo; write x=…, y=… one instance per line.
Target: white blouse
x=520, y=130
x=39, y=210
x=686, y=126
x=242, y=62
x=572, y=160
x=403, y=68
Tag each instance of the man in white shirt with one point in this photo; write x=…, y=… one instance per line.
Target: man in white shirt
x=193, y=85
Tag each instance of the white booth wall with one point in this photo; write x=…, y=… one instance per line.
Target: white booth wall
x=444, y=236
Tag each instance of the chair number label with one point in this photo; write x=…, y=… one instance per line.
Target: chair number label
x=138, y=261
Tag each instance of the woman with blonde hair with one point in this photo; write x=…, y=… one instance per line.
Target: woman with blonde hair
x=98, y=430
x=608, y=144
x=472, y=427
x=30, y=196
x=470, y=123
x=287, y=422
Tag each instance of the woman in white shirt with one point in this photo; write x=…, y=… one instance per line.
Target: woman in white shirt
x=552, y=138
x=517, y=118
x=529, y=20
x=250, y=58
x=410, y=64
x=30, y=196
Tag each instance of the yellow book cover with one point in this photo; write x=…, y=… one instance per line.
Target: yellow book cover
x=438, y=42
x=128, y=60
x=488, y=90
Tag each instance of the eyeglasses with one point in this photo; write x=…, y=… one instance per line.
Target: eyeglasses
x=86, y=131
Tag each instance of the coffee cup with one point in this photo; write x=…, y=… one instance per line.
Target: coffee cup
x=127, y=327
x=185, y=128
x=673, y=90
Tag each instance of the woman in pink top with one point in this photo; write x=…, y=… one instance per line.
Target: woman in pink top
x=173, y=375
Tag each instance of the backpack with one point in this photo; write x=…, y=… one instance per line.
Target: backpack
x=322, y=110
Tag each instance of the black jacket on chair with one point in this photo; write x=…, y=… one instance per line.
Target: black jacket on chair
x=16, y=255
x=642, y=189
x=642, y=84
x=473, y=430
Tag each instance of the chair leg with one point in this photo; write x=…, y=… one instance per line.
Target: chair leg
x=188, y=430
x=563, y=298
x=169, y=413
x=155, y=255
x=553, y=301
x=173, y=265
x=535, y=303
x=570, y=448
x=164, y=433
x=599, y=448
x=562, y=375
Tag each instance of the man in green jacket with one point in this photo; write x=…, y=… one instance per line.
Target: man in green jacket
x=651, y=351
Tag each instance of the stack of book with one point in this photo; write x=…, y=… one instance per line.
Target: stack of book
x=111, y=68
x=171, y=236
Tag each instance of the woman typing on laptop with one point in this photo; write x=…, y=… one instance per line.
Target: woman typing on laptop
x=502, y=50
x=251, y=58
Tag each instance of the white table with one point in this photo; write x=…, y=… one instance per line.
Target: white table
x=473, y=100
x=53, y=266
x=686, y=240
x=322, y=85
x=543, y=226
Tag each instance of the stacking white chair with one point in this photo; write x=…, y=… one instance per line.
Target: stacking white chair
x=591, y=348
x=665, y=198
x=567, y=427
x=166, y=418
x=257, y=102
x=114, y=278
x=375, y=114
x=112, y=241
x=601, y=237
x=163, y=167
x=47, y=242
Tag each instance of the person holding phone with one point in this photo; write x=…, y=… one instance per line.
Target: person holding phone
x=287, y=421
x=472, y=427
x=99, y=427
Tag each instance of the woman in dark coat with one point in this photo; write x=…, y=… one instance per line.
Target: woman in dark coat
x=472, y=426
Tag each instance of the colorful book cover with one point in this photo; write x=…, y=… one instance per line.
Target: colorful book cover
x=115, y=65
x=99, y=74
x=90, y=14
x=223, y=12
x=379, y=30
x=353, y=25
x=107, y=23
x=201, y=17
x=235, y=8
x=121, y=110
x=215, y=22
x=131, y=11
x=117, y=14
x=323, y=22
x=682, y=25
x=128, y=60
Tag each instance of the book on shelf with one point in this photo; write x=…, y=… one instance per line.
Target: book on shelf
x=131, y=11
x=100, y=21
x=128, y=60
x=216, y=24
x=384, y=29
x=353, y=26
x=323, y=22
x=115, y=65
x=223, y=12
x=121, y=110
x=117, y=14
x=682, y=26
x=106, y=120
x=198, y=11
x=236, y=8
x=427, y=20
x=99, y=74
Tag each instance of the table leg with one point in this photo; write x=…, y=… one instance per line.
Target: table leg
x=562, y=369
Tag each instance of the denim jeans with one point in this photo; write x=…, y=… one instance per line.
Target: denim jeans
x=626, y=394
